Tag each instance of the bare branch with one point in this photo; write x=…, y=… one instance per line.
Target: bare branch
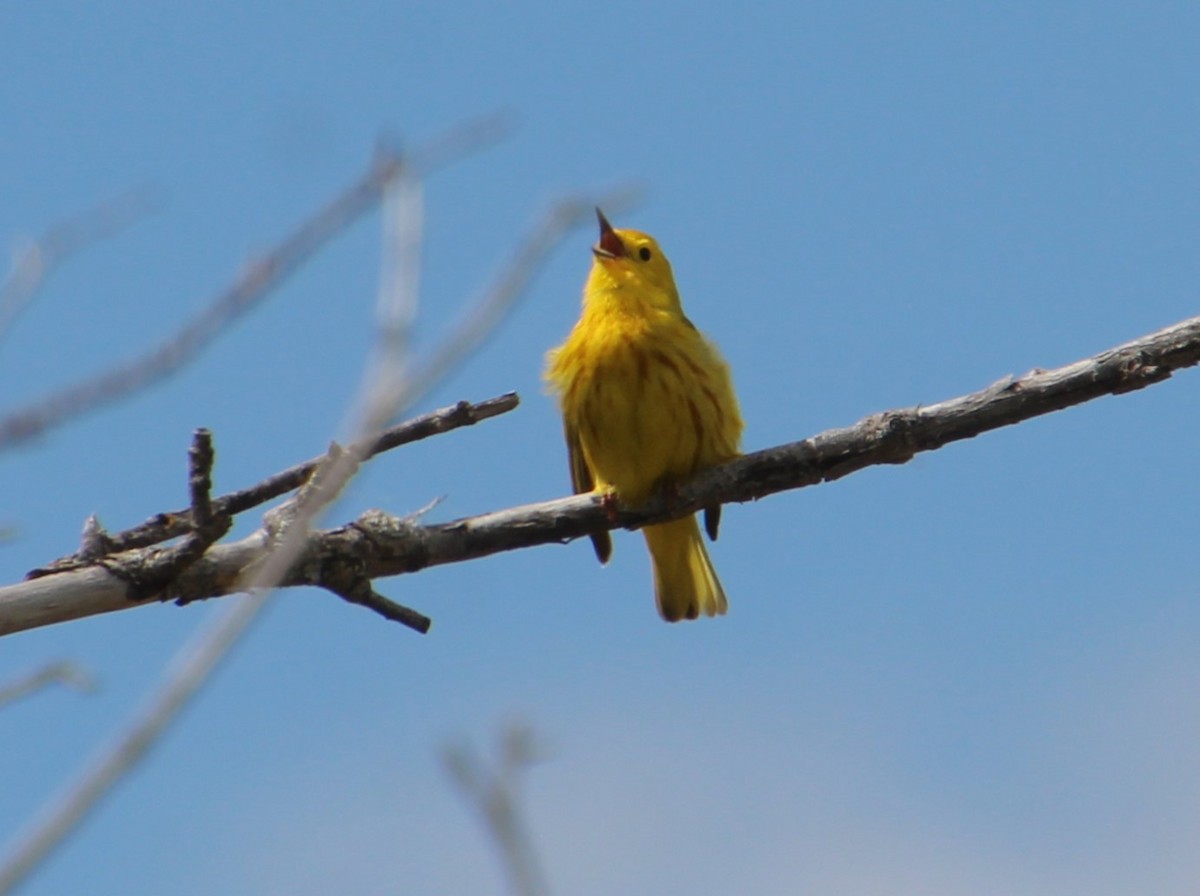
x=359, y=591
x=255, y=282
x=494, y=795
x=386, y=545
x=165, y=526
x=200, y=463
x=35, y=261
x=464, y=139
x=63, y=672
x=62, y=814
x=400, y=271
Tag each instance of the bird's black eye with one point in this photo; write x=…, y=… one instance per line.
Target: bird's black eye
x=644, y=254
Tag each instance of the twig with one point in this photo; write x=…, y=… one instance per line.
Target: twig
x=464, y=139
x=200, y=466
x=359, y=591
x=346, y=576
x=389, y=545
x=149, y=579
x=494, y=795
x=255, y=282
x=62, y=672
x=165, y=526
x=35, y=261
x=400, y=272
x=62, y=814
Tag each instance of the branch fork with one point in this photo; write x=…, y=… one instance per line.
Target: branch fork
x=137, y=567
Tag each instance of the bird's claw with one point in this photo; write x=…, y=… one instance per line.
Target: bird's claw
x=608, y=500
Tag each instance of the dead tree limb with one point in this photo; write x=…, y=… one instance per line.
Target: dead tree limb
x=378, y=544
x=174, y=523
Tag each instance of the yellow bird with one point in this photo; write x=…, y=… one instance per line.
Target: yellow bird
x=647, y=402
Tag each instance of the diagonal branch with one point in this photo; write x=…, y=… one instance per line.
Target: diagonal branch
x=254, y=283
x=172, y=524
x=379, y=544
x=66, y=673
x=494, y=793
x=189, y=670
x=34, y=262
x=257, y=280
x=892, y=437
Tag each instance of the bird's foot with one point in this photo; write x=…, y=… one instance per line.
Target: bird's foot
x=608, y=500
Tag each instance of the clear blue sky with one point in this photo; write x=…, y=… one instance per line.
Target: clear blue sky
x=976, y=673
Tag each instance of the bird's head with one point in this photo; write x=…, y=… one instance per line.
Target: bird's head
x=631, y=260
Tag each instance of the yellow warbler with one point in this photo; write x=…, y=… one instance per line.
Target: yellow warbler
x=647, y=402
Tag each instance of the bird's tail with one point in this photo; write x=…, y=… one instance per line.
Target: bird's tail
x=685, y=583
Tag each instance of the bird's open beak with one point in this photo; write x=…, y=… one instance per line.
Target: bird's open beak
x=610, y=245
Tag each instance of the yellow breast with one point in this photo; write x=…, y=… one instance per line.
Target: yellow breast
x=649, y=396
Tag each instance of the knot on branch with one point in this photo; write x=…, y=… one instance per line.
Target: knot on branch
x=392, y=538
x=1137, y=370
x=152, y=572
x=892, y=436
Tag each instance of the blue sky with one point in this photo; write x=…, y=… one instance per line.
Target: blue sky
x=973, y=673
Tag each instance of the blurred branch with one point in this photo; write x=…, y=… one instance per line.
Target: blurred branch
x=256, y=281
x=285, y=528
x=494, y=794
x=63, y=672
x=464, y=139
x=190, y=668
x=378, y=544
x=35, y=261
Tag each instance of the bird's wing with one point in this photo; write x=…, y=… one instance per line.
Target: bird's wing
x=582, y=482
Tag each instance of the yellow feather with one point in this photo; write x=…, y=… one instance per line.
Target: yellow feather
x=648, y=402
